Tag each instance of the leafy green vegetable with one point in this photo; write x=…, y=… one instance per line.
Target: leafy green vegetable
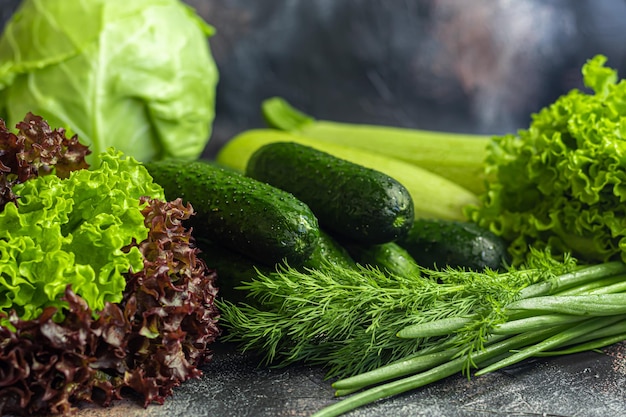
x=347, y=319
x=588, y=328
x=156, y=337
x=134, y=75
x=72, y=231
x=145, y=314
x=562, y=182
x=36, y=150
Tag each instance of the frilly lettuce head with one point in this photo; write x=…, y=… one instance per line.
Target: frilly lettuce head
x=136, y=75
x=562, y=182
x=73, y=231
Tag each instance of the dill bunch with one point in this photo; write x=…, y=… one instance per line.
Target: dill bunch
x=348, y=320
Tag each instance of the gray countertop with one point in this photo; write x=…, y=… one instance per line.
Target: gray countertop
x=591, y=384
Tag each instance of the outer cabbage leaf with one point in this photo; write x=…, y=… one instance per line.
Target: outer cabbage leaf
x=134, y=75
x=72, y=231
x=562, y=182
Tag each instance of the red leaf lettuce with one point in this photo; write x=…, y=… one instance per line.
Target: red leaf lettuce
x=150, y=342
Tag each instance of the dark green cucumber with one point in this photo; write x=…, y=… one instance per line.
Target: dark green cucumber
x=329, y=250
x=232, y=269
x=245, y=215
x=436, y=243
x=350, y=201
x=389, y=257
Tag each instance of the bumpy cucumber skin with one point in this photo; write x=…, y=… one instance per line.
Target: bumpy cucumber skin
x=349, y=200
x=436, y=243
x=328, y=250
x=389, y=257
x=232, y=269
x=262, y=222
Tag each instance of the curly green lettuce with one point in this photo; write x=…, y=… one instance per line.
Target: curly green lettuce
x=562, y=182
x=72, y=231
x=154, y=339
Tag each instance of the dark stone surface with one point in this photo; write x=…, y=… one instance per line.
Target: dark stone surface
x=584, y=385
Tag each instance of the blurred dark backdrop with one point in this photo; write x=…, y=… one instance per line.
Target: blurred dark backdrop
x=477, y=66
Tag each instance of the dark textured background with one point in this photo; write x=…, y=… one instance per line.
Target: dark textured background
x=477, y=66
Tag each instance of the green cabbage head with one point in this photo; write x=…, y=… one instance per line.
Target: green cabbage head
x=135, y=75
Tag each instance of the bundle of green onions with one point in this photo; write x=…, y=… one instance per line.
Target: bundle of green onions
x=574, y=312
x=406, y=332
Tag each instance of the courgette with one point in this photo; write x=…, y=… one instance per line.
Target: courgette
x=459, y=157
x=389, y=257
x=436, y=243
x=348, y=199
x=433, y=196
x=262, y=222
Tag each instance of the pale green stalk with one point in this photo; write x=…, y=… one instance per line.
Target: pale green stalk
x=458, y=157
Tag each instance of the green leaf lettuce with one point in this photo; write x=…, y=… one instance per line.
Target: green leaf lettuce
x=562, y=182
x=134, y=75
x=73, y=231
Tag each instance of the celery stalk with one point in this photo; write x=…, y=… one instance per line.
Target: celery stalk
x=433, y=195
x=458, y=157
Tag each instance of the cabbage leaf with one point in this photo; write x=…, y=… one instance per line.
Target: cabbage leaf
x=561, y=183
x=134, y=75
x=73, y=231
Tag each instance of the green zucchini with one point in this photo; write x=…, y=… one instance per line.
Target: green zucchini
x=389, y=257
x=436, y=243
x=458, y=157
x=349, y=200
x=265, y=223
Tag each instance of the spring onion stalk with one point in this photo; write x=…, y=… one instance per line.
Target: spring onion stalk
x=583, y=328
x=381, y=335
x=434, y=374
x=586, y=313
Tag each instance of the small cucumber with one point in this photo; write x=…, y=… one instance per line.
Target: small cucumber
x=232, y=269
x=260, y=221
x=436, y=243
x=329, y=250
x=349, y=200
x=389, y=257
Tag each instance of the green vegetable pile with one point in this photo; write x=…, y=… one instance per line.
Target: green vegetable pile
x=380, y=335
x=102, y=289
x=134, y=75
x=562, y=182
x=553, y=192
